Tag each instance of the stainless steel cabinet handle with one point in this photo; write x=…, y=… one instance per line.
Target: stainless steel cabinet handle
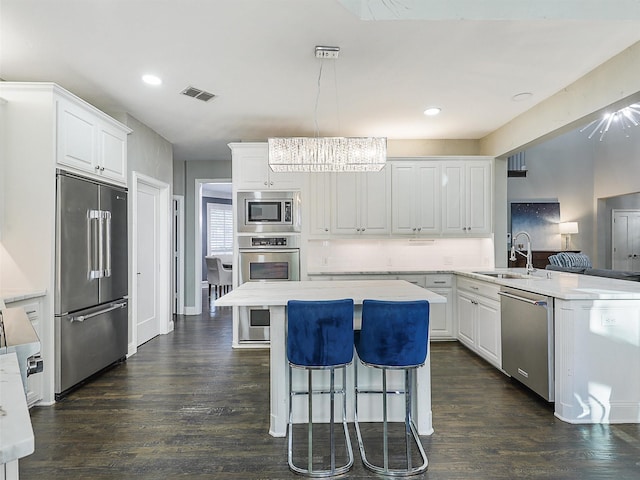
x=440, y=282
x=82, y=318
x=97, y=167
x=539, y=303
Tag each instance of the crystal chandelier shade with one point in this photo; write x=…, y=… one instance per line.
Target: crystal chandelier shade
x=327, y=154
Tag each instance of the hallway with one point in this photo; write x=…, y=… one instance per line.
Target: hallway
x=188, y=406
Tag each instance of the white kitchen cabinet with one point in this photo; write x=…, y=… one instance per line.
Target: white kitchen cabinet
x=89, y=142
x=361, y=203
x=415, y=197
x=466, y=197
x=317, y=203
x=442, y=317
x=478, y=312
x=34, y=382
x=250, y=169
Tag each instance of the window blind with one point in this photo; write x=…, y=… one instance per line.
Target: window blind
x=219, y=228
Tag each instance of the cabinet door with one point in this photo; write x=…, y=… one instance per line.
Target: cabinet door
x=478, y=192
x=441, y=315
x=374, y=204
x=318, y=203
x=403, y=198
x=466, y=308
x=251, y=169
x=76, y=137
x=428, y=212
x=488, y=341
x=346, y=202
x=112, y=153
x=453, y=198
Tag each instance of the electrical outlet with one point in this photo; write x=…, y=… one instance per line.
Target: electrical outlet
x=609, y=320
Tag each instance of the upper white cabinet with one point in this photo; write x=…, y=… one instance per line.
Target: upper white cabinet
x=466, y=197
x=250, y=169
x=361, y=203
x=415, y=190
x=90, y=142
x=318, y=203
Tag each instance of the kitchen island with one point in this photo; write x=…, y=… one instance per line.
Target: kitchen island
x=275, y=295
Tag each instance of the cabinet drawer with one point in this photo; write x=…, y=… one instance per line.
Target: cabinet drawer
x=438, y=281
x=485, y=289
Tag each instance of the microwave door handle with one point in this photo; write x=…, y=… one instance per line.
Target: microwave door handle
x=93, y=227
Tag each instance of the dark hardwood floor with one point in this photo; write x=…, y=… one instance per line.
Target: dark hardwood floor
x=188, y=406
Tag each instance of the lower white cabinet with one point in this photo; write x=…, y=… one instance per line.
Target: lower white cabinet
x=478, y=313
x=442, y=317
x=34, y=382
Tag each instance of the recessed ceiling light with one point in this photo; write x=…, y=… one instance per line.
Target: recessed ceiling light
x=151, y=79
x=520, y=97
x=431, y=111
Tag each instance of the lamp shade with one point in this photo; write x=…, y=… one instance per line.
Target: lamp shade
x=569, y=228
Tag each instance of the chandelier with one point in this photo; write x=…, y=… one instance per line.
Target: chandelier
x=625, y=117
x=327, y=154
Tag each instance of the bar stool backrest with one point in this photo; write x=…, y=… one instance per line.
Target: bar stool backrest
x=320, y=333
x=394, y=333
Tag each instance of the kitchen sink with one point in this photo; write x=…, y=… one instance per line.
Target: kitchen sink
x=511, y=275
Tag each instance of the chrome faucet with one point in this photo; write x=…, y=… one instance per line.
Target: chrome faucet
x=514, y=250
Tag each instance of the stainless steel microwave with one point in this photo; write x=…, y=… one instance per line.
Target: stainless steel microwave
x=268, y=212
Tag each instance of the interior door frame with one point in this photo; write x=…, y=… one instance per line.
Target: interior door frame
x=165, y=217
x=177, y=275
x=197, y=255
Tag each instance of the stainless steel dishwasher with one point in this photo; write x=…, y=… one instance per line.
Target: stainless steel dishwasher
x=527, y=339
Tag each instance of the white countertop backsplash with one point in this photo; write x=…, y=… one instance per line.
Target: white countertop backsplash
x=399, y=255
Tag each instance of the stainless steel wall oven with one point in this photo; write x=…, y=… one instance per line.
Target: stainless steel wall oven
x=265, y=259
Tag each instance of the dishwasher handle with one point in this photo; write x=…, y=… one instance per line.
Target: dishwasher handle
x=537, y=303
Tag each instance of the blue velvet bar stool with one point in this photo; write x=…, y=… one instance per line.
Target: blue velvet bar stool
x=320, y=337
x=394, y=336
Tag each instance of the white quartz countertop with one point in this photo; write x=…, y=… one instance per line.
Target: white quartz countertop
x=279, y=293
x=566, y=286
x=16, y=433
x=9, y=295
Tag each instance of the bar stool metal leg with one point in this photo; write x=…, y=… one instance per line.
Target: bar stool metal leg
x=394, y=336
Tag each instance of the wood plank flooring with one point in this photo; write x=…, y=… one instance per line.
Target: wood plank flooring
x=188, y=406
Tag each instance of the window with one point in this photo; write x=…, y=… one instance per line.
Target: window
x=219, y=228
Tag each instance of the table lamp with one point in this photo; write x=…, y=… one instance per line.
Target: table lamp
x=568, y=228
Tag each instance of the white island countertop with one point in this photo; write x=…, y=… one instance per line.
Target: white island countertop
x=16, y=433
x=279, y=293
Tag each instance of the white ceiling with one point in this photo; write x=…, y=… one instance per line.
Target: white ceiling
x=397, y=58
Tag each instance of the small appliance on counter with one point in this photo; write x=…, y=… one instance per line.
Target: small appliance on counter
x=17, y=335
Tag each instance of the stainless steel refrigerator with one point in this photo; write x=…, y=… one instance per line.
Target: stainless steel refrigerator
x=91, y=297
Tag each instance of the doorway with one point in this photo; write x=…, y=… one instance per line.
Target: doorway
x=151, y=278
x=625, y=240
x=220, y=189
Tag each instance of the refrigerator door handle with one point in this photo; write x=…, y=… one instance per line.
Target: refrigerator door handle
x=106, y=251
x=95, y=256
x=82, y=318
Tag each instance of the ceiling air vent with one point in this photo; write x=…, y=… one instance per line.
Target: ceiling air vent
x=197, y=93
